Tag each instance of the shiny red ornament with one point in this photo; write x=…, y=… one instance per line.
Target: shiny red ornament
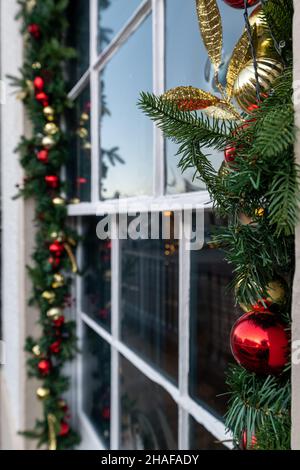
x=240, y=3
x=38, y=83
x=34, y=30
x=64, y=429
x=106, y=413
x=42, y=98
x=56, y=248
x=59, y=322
x=44, y=367
x=230, y=153
x=55, y=347
x=259, y=343
x=52, y=181
x=54, y=261
x=245, y=445
x=43, y=155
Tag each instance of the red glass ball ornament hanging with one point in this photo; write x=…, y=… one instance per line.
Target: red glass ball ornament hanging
x=64, y=429
x=52, y=181
x=42, y=98
x=38, y=83
x=230, y=153
x=59, y=322
x=259, y=343
x=55, y=347
x=54, y=261
x=244, y=444
x=34, y=30
x=43, y=155
x=106, y=413
x=240, y=3
x=56, y=248
x=44, y=367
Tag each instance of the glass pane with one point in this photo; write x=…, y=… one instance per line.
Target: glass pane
x=187, y=64
x=149, y=302
x=149, y=417
x=213, y=313
x=113, y=14
x=79, y=38
x=78, y=166
x=96, y=382
x=126, y=134
x=96, y=269
x=201, y=439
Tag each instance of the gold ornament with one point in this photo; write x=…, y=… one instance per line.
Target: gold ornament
x=84, y=117
x=224, y=170
x=52, y=422
x=82, y=132
x=189, y=98
x=87, y=146
x=276, y=291
x=42, y=393
x=260, y=212
x=247, y=220
x=59, y=201
x=75, y=200
x=54, y=313
x=48, y=142
x=62, y=403
x=237, y=61
x=51, y=128
x=49, y=296
x=245, y=85
x=59, y=236
x=29, y=84
x=223, y=110
x=210, y=24
x=58, y=281
x=49, y=113
x=36, y=66
x=30, y=5
x=36, y=350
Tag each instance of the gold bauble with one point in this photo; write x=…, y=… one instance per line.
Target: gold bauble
x=36, y=66
x=82, y=132
x=75, y=200
x=51, y=128
x=42, y=393
x=263, y=42
x=58, y=281
x=49, y=296
x=223, y=170
x=36, y=350
x=54, y=313
x=84, y=117
x=49, y=113
x=276, y=291
x=87, y=146
x=245, y=219
x=58, y=201
x=59, y=236
x=48, y=142
x=245, y=85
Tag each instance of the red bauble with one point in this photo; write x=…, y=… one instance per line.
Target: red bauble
x=54, y=261
x=106, y=413
x=259, y=343
x=38, y=83
x=44, y=367
x=56, y=248
x=42, y=98
x=230, y=153
x=241, y=3
x=64, y=429
x=52, y=181
x=34, y=30
x=55, y=347
x=244, y=444
x=59, y=322
x=43, y=155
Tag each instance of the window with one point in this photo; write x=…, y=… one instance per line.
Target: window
x=153, y=317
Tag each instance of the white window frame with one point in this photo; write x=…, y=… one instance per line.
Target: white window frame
x=186, y=405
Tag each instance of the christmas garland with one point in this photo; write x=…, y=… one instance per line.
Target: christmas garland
x=257, y=189
x=43, y=91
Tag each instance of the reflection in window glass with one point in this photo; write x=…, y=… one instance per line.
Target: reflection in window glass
x=78, y=166
x=126, y=134
x=149, y=302
x=79, y=38
x=213, y=313
x=201, y=439
x=96, y=382
x=96, y=269
x=112, y=15
x=149, y=417
x=187, y=64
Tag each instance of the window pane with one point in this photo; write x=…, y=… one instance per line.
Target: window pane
x=78, y=166
x=96, y=382
x=149, y=417
x=96, y=280
x=79, y=38
x=213, y=313
x=113, y=14
x=187, y=64
x=149, y=302
x=201, y=439
x=126, y=134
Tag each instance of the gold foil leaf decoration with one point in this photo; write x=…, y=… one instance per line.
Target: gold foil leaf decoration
x=210, y=24
x=223, y=111
x=237, y=62
x=189, y=98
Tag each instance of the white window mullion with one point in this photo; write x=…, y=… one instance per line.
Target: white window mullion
x=95, y=112
x=115, y=331
x=158, y=32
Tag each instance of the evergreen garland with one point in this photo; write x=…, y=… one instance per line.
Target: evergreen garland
x=44, y=27
x=262, y=183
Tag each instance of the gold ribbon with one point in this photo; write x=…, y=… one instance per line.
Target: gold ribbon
x=71, y=257
x=52, y=433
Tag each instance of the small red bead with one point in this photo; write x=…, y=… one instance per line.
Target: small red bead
x=44, y=367
x=52, y=181
x=59, y=322
x=43, y=155
x=38, y=83
x=42, y=98
x=55, y=347
x=34, y=30
x=56, y=248
x=64, y=429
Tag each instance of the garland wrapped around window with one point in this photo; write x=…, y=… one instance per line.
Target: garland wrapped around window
x=43, y=91
x=257, y=188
